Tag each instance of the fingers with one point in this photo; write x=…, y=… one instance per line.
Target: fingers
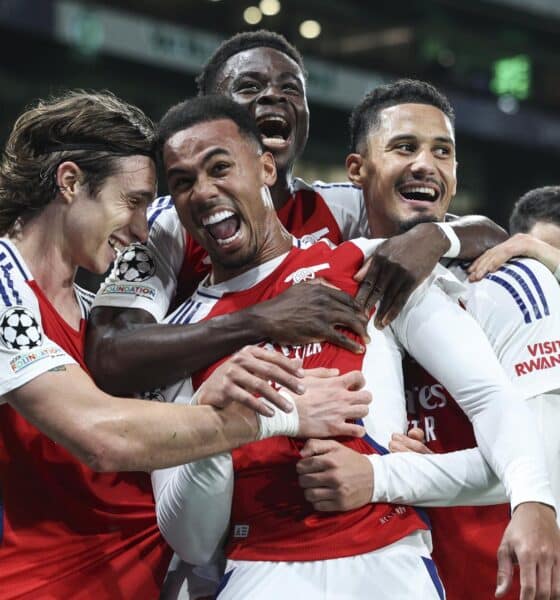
x=403, y=443
x=316, y=447
x=416, y=433
x=337, y=338
x=555, y=583
x=370, y=289
x=350, y=430
x=505, y=571
x=397, y=292
x=353, y=380
x=528, y=578
x=272, y=366
x=360, y=275
x=544, y=578
x=321, y=372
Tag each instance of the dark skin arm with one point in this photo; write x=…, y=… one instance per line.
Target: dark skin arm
x=124, y=341
x=402, y=262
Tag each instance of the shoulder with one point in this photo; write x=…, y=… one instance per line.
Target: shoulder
x=14, y=278
x=524, y=287
x=332, y=193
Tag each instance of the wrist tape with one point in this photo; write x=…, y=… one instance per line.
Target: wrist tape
x=280, y=423
x=454, y=243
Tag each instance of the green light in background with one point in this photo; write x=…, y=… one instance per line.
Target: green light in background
x=88, y=33
x=512, y=76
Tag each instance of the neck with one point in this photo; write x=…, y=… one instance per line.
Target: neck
x=41, y=243
x=280, y=191
x=274, y=242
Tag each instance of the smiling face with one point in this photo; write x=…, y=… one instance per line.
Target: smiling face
x=272, y=87
x=216, y=177
x=408, y=170
x=99, y=225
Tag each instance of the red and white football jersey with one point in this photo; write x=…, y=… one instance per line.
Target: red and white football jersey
x=65, y=531
x=167, y=270
x=271, y=520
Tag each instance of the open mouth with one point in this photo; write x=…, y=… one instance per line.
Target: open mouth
x=419, y=193
x=224, y=226
x=275, y=130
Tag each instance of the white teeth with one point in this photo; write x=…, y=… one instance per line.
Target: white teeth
x=421, y=190
x=274, y=118
x=228, y=240
x=217, y=217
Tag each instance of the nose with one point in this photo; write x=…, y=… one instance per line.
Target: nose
x=423, y=163
x=203, y=188
x=271, y=94
x=139, y=225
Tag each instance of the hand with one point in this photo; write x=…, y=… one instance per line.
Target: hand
x=312, y=312
x=397, y=268
x=248, y=373
x=329, y=402
x=334, y=477
x=413, y=442
x=532, y=539
x=520, y=244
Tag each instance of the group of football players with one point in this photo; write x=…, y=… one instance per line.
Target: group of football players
x=325, y=391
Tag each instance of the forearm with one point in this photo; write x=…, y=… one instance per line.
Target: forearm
x=193, y=505
x=455, y=479
x=466, y=365
x=121, y=434
x=477, y=234
x=161, y=354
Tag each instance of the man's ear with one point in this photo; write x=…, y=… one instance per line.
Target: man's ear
x=269, y=168
x=67, y=179
x=354, y=168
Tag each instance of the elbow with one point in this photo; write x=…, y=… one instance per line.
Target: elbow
x=109, y=453
x=104, y=363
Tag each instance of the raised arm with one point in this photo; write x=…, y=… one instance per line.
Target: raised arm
x=402, y=262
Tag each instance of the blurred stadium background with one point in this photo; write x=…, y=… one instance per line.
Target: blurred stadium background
x=498, y=60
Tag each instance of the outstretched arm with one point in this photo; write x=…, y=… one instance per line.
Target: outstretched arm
x=401, y=263
x=121, y=341
x=123, y=434
x=520, y=244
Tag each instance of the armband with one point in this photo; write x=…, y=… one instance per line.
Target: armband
x=454, y=243
x=280, y=423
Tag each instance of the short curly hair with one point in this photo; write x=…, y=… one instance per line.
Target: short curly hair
x=206, y=80
x=365, y=115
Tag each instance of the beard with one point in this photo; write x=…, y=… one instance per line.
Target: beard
x=408, y=224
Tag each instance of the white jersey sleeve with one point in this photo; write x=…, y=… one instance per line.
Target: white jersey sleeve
x=518, y=307
x=450, y=345
x=145, y=275
x=346, y=203
x=25, y=351
x=460, y=478
x=193, y=501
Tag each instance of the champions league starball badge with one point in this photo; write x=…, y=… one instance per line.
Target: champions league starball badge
x=136, y=264
x=19, y=329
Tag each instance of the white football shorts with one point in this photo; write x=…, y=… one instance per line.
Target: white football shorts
x=400, y=571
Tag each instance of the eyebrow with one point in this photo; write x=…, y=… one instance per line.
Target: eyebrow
x=258, y=74
x=141, y=194
x=442, y=139
x=207, y=157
